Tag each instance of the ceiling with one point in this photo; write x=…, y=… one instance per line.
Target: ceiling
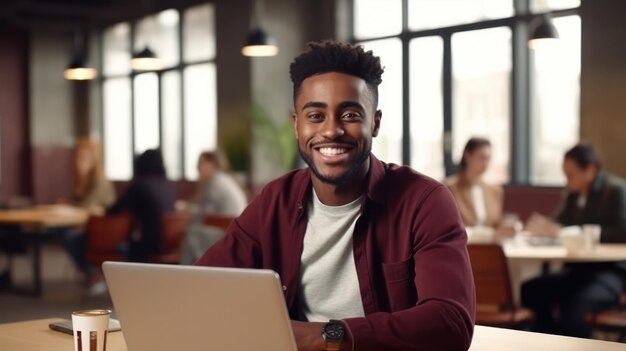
x=72, y=14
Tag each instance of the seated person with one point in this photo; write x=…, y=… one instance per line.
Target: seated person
x=593, y=197
x=90, y=190
x=217, y=193
x=480, y=203
x=149, y=196
x=371, y=254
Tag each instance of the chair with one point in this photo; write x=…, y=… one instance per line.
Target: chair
x=612, y=320
x=104, y=236
x=173, y=228
x=217, y=220
x=494, y=298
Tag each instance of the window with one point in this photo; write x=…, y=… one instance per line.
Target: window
x=175, y=108
x=554, y=118
x=426, y=104
x=388, y=143
x=461, y=80
x=427, y=14
x=481, y=80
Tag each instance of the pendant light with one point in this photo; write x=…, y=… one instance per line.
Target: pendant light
x=78, y=69
x=542, y=32
x=259, y=42
x=145, y=60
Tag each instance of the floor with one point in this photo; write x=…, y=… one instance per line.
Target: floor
x=63, y=288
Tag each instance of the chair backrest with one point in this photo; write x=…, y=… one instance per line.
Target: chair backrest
x=104, y=236
x=173, y=228
x=491, y=276
x=217, y=220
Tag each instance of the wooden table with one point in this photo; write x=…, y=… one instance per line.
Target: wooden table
x=602, y=253
x=36, y=336
x=35, y=222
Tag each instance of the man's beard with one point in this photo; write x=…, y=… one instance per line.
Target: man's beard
x=342, y=178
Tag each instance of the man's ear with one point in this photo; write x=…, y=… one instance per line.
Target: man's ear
x=294, y=118
x=378, y=115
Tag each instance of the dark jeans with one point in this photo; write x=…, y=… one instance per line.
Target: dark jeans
x=577, y=290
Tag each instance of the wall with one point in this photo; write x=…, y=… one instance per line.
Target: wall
x=293, y=24
x=603, y=80
x=14, y=165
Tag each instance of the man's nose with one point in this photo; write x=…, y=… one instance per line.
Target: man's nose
x=332, y=128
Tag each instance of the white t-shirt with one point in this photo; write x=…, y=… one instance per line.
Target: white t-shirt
x=478, y=199
x=329, y=284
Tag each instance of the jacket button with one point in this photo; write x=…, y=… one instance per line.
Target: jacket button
x=284, y=288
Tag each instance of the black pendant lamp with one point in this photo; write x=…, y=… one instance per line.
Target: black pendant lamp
x=259, y=42
x=542, y=32
x=145, y=60
x=78, y=69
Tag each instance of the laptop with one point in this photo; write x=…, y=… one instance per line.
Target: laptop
x=175, y=307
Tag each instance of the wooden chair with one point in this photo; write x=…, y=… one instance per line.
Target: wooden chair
x=173, y=228
x=104, y=236
x=494, y=298
x=217, y=220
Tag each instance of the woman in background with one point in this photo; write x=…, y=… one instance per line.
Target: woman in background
x=90, y=190
x=149, y=196
x=480, y=203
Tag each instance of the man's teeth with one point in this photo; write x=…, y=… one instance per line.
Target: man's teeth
x=331, y=151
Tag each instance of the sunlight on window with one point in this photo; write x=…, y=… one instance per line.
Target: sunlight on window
x=172, y=135
x=427, y=14
x=118, y=152
x=160, y=33
x=555, y=94
x=481, y=79
x=200, y=114
x=198, y=33
x=539, y=6
x=116, y=45
x=369, y=21
x=146, y=94
x=426, y=60
x=388, y=145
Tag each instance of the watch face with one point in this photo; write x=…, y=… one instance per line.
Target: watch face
x=334, y=332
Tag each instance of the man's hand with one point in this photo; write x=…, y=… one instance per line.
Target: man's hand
x=308, y=335
x=541, y=225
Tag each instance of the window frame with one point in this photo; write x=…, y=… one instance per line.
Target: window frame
x=520, y=147
x=180, y=68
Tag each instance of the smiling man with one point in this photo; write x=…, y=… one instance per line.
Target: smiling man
x=372, y=255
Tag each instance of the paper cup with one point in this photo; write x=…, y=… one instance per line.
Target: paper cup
x=592, y=235
x=90, y=329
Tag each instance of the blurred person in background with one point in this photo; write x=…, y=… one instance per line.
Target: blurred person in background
x=217, y=193
x=592, y=197
x=90, y=190
x=150, y=195
x=480, y=203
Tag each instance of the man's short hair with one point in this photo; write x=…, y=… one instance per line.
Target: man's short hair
x=331, y=56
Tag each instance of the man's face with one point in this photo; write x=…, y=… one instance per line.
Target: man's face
x=578, y=179
x=206, y=169
x=334, y=121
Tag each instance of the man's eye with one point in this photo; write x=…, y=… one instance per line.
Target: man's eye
x=351, y=115
x=315, y=116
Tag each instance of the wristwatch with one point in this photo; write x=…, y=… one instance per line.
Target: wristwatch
x=333, y=332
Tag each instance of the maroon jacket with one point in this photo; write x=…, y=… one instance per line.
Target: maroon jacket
x=409, y=250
